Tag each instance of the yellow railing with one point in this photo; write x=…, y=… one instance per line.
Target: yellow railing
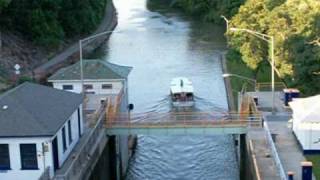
x=266, y=86
x=185, y=124
x=186, y=119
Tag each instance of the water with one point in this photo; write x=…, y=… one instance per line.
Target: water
x=161, y=44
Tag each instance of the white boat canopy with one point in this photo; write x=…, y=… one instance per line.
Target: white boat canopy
x=181, y=85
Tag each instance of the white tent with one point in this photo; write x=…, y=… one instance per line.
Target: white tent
x=306, y=122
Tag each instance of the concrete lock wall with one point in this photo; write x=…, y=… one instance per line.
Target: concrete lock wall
x=114, y=160
x=246, y=158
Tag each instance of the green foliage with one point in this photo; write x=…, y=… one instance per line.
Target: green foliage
x=293, y=24
x=47, y=22
x=78, y=17
x=4, y=4
x=315, y=159
x=210, y=10
x=23, y=79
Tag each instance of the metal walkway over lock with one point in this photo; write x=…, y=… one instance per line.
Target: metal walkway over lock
x=183, y=123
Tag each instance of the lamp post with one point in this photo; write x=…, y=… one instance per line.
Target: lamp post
x=253, y=81
x=270, y=41
x=226, y=20
x=81, y=41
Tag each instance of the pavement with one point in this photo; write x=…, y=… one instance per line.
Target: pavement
x=287, y=146
x=262, y=153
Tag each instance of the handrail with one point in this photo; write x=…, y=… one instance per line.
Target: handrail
x=81, y=157
x=274, y=153
x=261, y=86
x=255, y=122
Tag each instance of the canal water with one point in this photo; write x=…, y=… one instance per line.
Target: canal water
x=160, y=44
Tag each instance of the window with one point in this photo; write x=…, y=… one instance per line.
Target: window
x=69, y=132
x=67, y=87
x=88, y=86
x=28, y=153
x=106, y=86
x=64, y=141
x=79, y=125
x=4, y=157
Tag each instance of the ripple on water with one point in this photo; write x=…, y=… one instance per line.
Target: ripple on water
x=160, y=45
x=191, y=157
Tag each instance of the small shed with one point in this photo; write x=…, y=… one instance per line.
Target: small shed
x=306, y=122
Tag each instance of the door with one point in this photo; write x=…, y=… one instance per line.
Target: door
x=55, y=154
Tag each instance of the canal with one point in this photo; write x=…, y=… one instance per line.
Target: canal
x=160, y=44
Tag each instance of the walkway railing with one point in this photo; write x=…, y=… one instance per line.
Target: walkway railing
x=184, y=123
x=82, y=155
x=274, y=153
x=266, y=86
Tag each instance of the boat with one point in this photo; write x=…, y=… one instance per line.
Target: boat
x=181, y=91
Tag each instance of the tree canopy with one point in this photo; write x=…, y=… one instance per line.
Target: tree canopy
x=295, y=26
x=210, y=10
x=48, y=22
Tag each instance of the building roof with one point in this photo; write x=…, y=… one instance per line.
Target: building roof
x=306, y=109
x=92, y=69
x=34, y=110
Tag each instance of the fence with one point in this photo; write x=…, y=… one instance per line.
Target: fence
x=82, y=158
x=188, y=120
x=267, y=86
x=274, y=153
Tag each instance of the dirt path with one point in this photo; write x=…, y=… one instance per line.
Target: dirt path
x=65, y=57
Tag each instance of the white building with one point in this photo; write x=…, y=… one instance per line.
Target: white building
x=306, y=122
x=39, y=127
x=100, y=79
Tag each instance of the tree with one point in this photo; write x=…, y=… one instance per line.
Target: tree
x=3, y=4
x=210, y=10
x=48, y=22
x=295, y=25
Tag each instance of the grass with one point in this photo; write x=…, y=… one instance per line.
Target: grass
x=236, y=66
x=315, y=159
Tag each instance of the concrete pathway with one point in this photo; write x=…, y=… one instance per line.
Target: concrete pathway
x=287, y=146
x=285, y=142
x=265, y=163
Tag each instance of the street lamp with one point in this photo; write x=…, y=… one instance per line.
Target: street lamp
x=253, y=81
x=226, y=20
x=81, y=41
x=270, y=41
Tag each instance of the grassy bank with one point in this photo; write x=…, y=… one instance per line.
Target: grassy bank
x=315, y=159
x=235, y=65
